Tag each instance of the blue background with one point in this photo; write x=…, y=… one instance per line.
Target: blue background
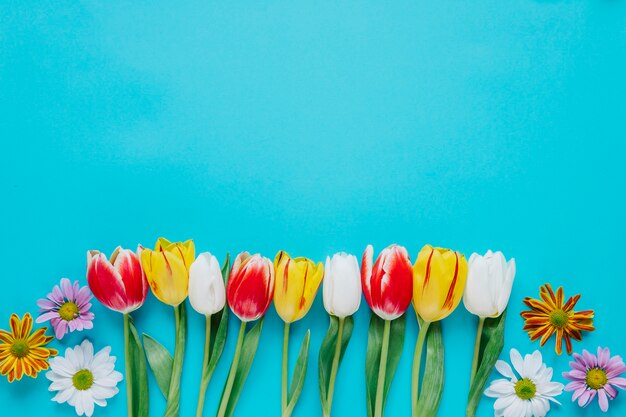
x=314, y=127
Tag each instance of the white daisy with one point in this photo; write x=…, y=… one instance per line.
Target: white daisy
x=527, y=396
x=83, y=379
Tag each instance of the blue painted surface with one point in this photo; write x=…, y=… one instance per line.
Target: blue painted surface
x=314, y=127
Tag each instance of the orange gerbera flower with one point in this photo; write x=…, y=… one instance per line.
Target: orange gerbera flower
x=550, y=315
x=22, y=352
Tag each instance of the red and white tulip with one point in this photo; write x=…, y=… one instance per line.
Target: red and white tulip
x=388, y=283
x=119, y=283
x=250, y=286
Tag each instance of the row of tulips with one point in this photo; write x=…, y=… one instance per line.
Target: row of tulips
x=435, y=285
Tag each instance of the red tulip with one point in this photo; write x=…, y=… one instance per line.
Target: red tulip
x=388, y=285
x=119, y=283
x=250, y=286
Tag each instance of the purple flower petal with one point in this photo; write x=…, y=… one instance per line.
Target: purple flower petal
x=66, y=288
x=614, y=371
x=579, y=392
x=574, y=385
x=83, y=296
x=618, y=382
x=586, y=397
x=56, y=295
x=603, y=401
x=85, y=308
x=603, y=357
x=610, y=391
x=577, y=365
x=590, y=360
x=46, y=304
x=47, y=316
x=73, y=325
x=575, y=375
x=60, y=329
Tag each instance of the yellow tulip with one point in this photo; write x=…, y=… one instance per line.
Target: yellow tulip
x=167, y=269
x=439, y=277
x=297, y=281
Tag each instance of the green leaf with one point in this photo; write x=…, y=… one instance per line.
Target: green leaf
x=299, y=374
x=219, y=329
x=491, y=344
x=248, y=350
x=139, y=373
x=160, y=362
x=432, y=382
x=372, y=358
x=172, y=407
x=327, y=355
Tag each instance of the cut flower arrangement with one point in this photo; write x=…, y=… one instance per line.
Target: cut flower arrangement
x=434, y=285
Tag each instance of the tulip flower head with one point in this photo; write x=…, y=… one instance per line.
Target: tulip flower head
x=342, y=285
x=167, y=269
x=387, y=283
x=119, y=282
x=439, y=277
x=297, y=281
x=250, y=286
x=207, y=293
x=489, y=282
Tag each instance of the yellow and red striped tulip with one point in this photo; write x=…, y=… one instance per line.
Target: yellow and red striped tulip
x=297, y=281
x=439, y=277
x=167, y=269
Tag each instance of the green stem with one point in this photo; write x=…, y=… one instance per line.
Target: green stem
x=285, y=382
x=129, y=372
x=233, y=371
x=417, y=361
x=334, y=368
x=204, y=382
x=479, y=333
x=382, y=370
x=172, y=408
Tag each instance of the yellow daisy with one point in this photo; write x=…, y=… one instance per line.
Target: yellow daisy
x=22, y=352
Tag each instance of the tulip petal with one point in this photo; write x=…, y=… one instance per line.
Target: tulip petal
x=105, y=282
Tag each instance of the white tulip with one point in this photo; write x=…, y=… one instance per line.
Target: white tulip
x=489, y=282
x=342, y=285
x=207, y=293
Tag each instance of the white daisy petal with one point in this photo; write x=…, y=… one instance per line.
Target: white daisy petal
x=532, y=365
x=517, y=361
x=87, y=404
x=540, y=407
x=503, y=403
x=60, y=384
x=87, y=349
x=102, y=392
x=505, y=369
x=64, y=395
x=101, y=403
x=501, y=387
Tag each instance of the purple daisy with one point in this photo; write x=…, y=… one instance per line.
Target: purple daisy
x=67, y=308
x=593, y=375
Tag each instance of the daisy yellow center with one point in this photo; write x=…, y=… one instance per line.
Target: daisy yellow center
x=68, y=311
x=559, y=318
x=525, y=389
x=19, y=348
x=82, y=379
x=596, y=378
